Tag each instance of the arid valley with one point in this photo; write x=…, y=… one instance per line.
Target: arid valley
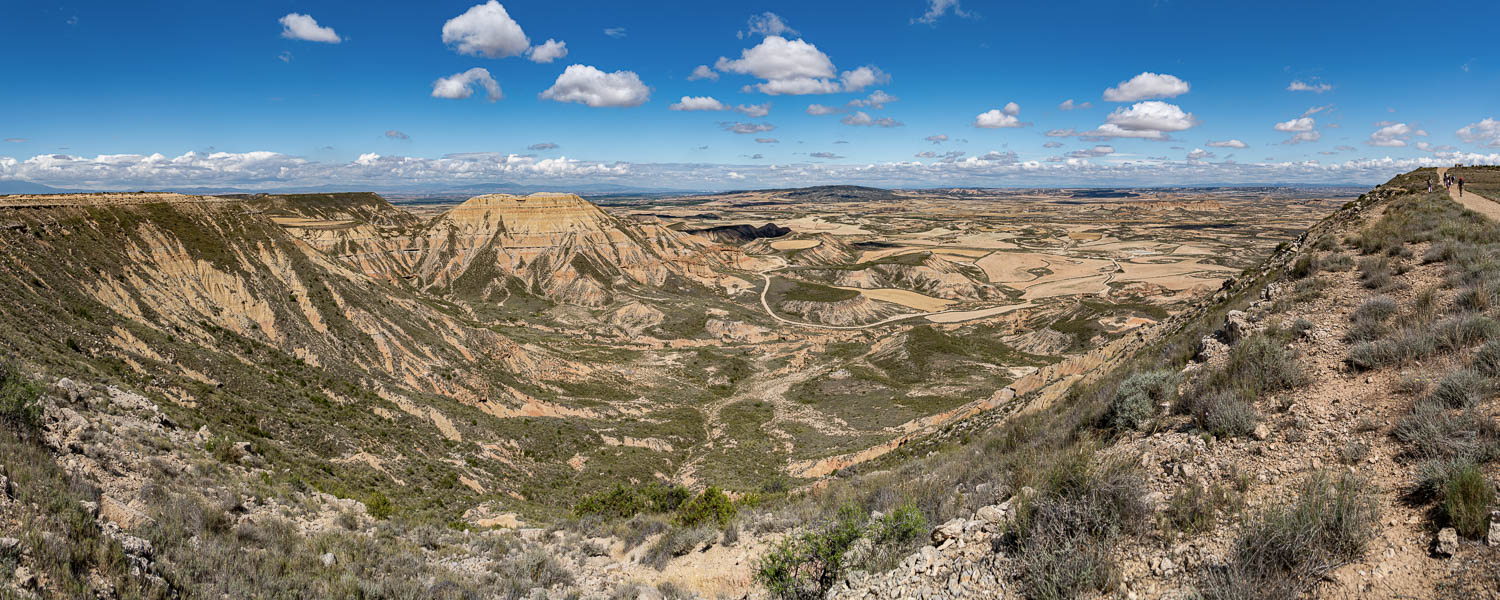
x=838, y=300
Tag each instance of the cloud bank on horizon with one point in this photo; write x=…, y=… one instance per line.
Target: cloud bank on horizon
x=412, y=98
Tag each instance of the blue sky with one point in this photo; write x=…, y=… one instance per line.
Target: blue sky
x=297, y=94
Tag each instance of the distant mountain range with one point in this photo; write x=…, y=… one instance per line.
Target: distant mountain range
x=27, y=187
x=422, y=191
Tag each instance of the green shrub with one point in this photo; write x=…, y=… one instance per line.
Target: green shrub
x=19, y=408
x=1353, y=452
x=1467, y=499
x=1065, y=533
x=1256, y=366
x=893, y=536
x=379, y=506
x=710, y=506
x=1366, y=330
x=1337, y=261
x=1433, y=477
x=1463, y=331
x=1300, y=328
x=1424, y=340
x=1375, y=272
x=537, y=568
x=805, y=567
x=1439, y=252
x=667, y=498
x=1432, y=431
x=1463, y=388
x=1378, y=308
x=1480, y=297
x=623, y=502
x=1191, y=509
x=1487, y=359
x=1136, y=399
x=1225, y=413
x=1283, y=551
x=677, y=542
x=619, y=502
x=1310, y=289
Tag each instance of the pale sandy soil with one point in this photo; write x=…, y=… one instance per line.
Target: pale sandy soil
x=795, y=244
x=817, y=225
x=1011, y=267
x=1088, y=284
x=905, y=298
x=969, y=315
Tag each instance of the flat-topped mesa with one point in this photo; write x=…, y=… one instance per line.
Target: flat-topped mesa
x=103, y=199
x=558, y=245
x=539, y=213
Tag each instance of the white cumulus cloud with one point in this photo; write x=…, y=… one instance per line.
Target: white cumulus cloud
x=1094, y=152
x=754, y=111
x=1393, y=135
x=1227, y=144
x=485, y=30
x=1298, y=124
x=777, y=58
x=998, y=118
x=1146, y=85
x=709, y=103
x=877, y=99
x=298, y=26
x=1151, y=119
x=1316, y=87
x=767, y=23
x=819, y=110
x=937, y=8
x=703, y=72
x=860, y=119
x=461, y=85
x=587, y=85
x=795, y=67
x=547, y=51
x=1486, y=133
x=863, y=77
x=746, y=128
x=1304, y=137
x=698, y=103
x=1070, y=105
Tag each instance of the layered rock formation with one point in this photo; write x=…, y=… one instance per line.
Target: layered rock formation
x=363, y=230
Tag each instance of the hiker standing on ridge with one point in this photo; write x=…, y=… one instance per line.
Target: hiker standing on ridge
x=1460, y=187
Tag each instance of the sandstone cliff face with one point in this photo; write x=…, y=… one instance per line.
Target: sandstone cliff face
x=363, y=230
x=201, y=271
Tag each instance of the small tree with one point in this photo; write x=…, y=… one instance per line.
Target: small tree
x=711, y=505
x=18, y=400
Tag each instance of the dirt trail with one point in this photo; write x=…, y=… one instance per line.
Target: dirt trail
x=1473, y=201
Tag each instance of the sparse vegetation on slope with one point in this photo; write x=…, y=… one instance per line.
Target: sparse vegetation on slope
x=1283, y=551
